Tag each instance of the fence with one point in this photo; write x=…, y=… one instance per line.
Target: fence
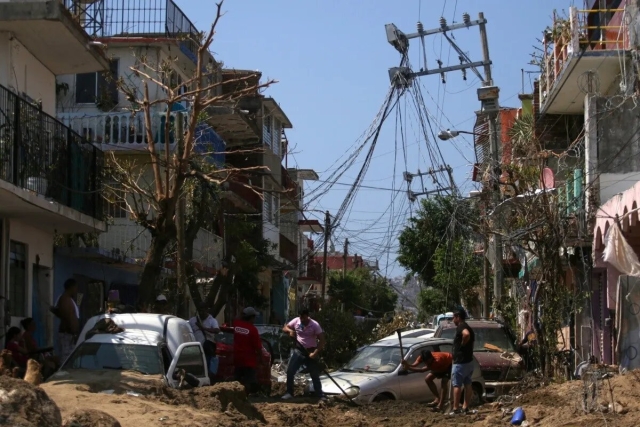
x=39, y=153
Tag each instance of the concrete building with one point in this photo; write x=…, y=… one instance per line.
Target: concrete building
x=131, y=32
x=50, y=176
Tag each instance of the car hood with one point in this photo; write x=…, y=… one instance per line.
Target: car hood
x=494, y=360
x=350, y=379
x=106, y=381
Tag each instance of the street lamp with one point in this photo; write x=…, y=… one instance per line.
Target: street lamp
x=446, y=135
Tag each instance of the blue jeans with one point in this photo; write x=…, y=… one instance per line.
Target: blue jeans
x=297, y=360
x=461, y=374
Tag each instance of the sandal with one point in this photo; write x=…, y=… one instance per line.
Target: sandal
x=456, y=412
x=437, y=409
x=433, y=403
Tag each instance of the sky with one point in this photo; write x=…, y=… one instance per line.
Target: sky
x=331, y=61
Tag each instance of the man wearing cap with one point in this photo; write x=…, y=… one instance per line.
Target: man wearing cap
x=204, y=327
x=247, y=349
x=462, y=369
x=309, y=338
x=162, y=305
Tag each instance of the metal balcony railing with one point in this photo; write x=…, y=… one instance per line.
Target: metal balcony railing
x=139, y=18
x=570, y=36
x=40, y=153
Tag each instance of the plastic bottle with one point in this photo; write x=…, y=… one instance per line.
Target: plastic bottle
x=518, y=417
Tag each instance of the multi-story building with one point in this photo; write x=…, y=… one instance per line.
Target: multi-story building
x=584, y=105
x=50, y=176
x=254, y=130
x=155, y=33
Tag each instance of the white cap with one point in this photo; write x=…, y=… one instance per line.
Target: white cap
x=161, y=298
x=250, y=311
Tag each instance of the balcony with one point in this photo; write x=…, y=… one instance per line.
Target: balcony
x=288, y=250
x=580, y=57
x=125, y=130
x=126, y=239
x=239, y=193
x=50, y=162
x=48, y=31
x=152, y=20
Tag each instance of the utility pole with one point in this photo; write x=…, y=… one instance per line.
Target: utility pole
x=327, y=237
x=495, y=158
x=345, y=257
x=431, y=172
x=488, y=96
x=180, y=234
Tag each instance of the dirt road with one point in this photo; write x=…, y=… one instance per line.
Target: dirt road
x=225, y=405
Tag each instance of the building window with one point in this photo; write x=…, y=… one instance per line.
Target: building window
x=268, y=207
x=275, y=137
x=18, y=279
x=116, y=205
x=276, y=210
x=266, y=130
x=92, y=88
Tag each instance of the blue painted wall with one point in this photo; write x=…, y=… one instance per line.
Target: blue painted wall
x=66, y=266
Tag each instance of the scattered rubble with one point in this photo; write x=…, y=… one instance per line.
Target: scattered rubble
x=25, y=405
x=90, y=418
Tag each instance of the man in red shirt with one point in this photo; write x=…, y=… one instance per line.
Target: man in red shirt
x=438, y=364
x=247, y=349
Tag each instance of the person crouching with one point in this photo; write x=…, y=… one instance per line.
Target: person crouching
x=438, y=365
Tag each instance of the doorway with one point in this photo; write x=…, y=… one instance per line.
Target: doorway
x=40, y=304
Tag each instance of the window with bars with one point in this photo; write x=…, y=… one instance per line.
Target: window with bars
x=18, y=279
x=276, y=209
x=267, y=130
x=116, y=206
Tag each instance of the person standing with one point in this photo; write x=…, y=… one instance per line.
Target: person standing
x=462, y=370
x=309, y=343
x=247, y=349
x=162, y=305
x=67, y=310
x=204, y=327
x=438, y=365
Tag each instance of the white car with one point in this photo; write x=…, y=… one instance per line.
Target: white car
x=151, y=344
x=413, y=333
x=375, y=373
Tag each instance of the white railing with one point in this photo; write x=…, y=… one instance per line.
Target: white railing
x=124, y=129
x=130, y=240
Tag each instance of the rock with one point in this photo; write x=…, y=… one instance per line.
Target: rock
x=26, y=405
x=90, y=418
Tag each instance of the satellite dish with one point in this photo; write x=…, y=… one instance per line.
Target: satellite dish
x=548, y=178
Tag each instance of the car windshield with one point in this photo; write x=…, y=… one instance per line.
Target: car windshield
x=145, y=359
x=494, y=336
x=373, y=358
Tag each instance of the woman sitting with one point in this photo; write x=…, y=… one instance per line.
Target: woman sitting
x=49, y=362
x=19, y=353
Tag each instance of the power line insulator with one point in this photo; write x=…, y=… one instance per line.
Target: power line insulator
x=420, y=27
x=466, y=18
x=443, y=22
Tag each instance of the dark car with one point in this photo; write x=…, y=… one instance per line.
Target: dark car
x=226, y=368
x=500, y=371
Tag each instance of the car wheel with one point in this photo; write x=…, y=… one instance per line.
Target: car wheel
x=476, y=396
x=383, y=397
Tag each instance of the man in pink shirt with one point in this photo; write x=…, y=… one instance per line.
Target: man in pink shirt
x=309, y=338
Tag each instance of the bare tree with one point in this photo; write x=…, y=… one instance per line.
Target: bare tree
x=153, y=203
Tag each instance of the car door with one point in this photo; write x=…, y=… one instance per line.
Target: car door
x=188, y=358
x=412, y=385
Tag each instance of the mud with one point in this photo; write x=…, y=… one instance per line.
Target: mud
x=90, y=418
x=25, y=405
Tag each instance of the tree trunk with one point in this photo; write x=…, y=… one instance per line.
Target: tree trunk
x=152, y=269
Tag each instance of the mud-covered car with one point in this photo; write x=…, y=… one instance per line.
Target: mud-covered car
x=501, y=370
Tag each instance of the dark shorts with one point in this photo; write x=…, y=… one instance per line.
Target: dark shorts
x=246, y=376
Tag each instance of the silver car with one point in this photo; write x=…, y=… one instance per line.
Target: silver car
x=375, y=373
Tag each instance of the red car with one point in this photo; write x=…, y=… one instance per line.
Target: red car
x=226, y=369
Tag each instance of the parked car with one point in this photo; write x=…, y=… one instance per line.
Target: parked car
x=226, y=369
x=375, y=374
x=151, y=344
x=500, y=373
x=413, y=333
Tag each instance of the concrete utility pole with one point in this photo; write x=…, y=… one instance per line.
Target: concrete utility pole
x=327, y=237
x=181, y=206
x=488, y=96
x=345, y=258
